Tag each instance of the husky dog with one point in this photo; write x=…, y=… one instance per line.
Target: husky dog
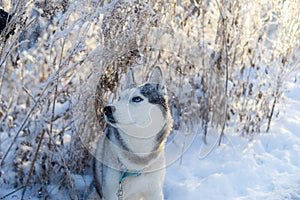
x=130, y=160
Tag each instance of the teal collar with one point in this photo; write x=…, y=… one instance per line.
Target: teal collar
x=125, y=174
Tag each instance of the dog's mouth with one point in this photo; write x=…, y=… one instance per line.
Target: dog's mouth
x=113, y=122
x=110, y=119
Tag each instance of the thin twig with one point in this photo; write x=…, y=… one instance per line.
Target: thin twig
x=205, y=119
x=55, y=93
x=29, y=94
x=33, y=162
x=64, y=165
x=272, y=110
x=226, y=74
x=11, y=193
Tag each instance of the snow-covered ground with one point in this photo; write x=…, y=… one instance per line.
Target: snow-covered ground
x=267, y=167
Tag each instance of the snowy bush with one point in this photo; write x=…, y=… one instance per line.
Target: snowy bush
x=225, y=64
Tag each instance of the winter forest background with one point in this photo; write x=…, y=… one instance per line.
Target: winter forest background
x=226, y=65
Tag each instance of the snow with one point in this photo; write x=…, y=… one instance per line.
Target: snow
x=266, y=167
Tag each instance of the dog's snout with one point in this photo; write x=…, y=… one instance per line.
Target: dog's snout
x=108, y=110
x=108, y=113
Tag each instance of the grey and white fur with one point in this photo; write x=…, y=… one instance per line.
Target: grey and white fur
x=130, y=160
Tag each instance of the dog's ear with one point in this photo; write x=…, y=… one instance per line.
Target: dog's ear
x=130, y=83
x=156, y=77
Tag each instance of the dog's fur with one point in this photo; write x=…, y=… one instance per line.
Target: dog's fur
x=138, y=125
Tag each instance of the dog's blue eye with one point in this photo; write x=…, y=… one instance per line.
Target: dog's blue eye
x=137, y=99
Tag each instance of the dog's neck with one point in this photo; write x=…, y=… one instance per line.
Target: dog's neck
x=135, y=153
x=140, y=145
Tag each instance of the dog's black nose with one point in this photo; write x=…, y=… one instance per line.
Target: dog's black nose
x=108, y=112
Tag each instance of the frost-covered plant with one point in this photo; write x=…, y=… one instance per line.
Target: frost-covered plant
x=38, y=64
x=225, y=63
x=259, y=59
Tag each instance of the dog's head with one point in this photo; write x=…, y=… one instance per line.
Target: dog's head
x=141, y=111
